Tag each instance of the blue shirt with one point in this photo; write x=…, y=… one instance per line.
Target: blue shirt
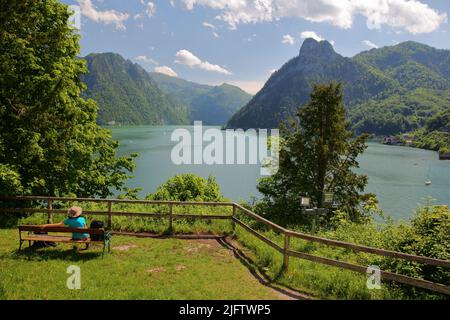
x=78, y=222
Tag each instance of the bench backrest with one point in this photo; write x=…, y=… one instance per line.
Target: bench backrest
x=61, y=229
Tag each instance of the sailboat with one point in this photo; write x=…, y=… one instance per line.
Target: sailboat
x=428, y=181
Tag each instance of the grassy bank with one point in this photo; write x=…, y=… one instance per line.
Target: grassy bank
x=137, y=269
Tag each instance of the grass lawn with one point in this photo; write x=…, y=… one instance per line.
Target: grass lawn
x=138, y=268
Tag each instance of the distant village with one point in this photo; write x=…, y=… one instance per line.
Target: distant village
x=407, y=140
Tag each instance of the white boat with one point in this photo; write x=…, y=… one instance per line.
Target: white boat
x=428, y=183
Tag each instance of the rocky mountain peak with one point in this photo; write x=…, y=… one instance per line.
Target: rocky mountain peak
x=319, y=49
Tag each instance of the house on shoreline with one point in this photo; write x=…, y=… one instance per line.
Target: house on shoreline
x=444, y=155
x=392, y=141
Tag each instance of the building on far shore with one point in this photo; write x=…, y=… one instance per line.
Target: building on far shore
x=392, y=140
x=444, y=155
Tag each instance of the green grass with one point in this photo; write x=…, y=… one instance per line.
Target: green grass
x=321, y=281
x=138, y=268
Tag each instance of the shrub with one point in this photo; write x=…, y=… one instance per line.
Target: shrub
x=188, y=187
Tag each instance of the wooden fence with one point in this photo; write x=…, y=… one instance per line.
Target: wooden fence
x=285, y=249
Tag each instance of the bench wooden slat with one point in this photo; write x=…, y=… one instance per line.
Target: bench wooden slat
x=65, y=239
x=61, y=229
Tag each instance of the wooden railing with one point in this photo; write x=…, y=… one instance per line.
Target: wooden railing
x=285, y=249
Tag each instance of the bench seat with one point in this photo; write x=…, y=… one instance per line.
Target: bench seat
x=55, y=238
x=62, y=235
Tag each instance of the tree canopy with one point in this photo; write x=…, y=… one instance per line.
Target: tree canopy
x=49, y=140
x=318, y=154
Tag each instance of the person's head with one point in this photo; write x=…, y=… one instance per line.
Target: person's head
x=74, y=212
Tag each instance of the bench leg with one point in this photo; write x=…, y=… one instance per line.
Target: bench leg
x=20, y=245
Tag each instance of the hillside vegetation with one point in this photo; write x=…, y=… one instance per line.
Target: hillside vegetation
x=126, y=94
x=386, y=91
x=435, y=135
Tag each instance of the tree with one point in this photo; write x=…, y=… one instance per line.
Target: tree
x=317, y=155
x=188, y=187
x=49, y=140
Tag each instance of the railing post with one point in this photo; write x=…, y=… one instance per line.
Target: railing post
x=110, y=215
x=232, y=221
x=49, y=207
x=171, y=218
x=287, y=240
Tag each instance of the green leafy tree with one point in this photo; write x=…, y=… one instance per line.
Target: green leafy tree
x=318, y=154
x=188, y=187
x=49, y=141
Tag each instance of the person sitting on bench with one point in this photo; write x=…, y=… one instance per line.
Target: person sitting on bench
x=74, y=220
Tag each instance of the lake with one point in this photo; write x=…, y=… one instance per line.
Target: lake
x=397, y=175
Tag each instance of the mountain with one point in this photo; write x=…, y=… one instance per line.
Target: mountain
x=435, y=135
x=386, y=91
x=214, y=105
x=126, y=94
x=413, y=64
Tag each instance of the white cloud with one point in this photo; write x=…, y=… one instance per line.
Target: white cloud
x=209, y=25
x=166, y=70
x=370, y=44
x=212, y=27
x=187, y=58
x=145, y=60
x=150, y=9
x=107, y=17
x=311, y=34
x=288, y=39
x=413, y=16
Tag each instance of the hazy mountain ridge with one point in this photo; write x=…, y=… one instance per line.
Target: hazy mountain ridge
x=214, y=105
x=380, y=85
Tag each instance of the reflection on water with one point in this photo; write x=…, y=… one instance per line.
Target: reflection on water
x=397, y=175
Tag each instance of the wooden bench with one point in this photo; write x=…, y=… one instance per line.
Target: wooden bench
x=31, y=236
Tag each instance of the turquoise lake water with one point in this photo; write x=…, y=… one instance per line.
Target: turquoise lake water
x=397, y=175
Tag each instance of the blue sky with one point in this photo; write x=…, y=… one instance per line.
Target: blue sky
x=243, y=41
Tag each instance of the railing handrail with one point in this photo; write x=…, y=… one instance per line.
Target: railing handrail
x=100, y=200
x=286, y=251
x=295, y=234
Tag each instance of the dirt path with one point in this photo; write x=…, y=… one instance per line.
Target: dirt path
x=283, y=292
